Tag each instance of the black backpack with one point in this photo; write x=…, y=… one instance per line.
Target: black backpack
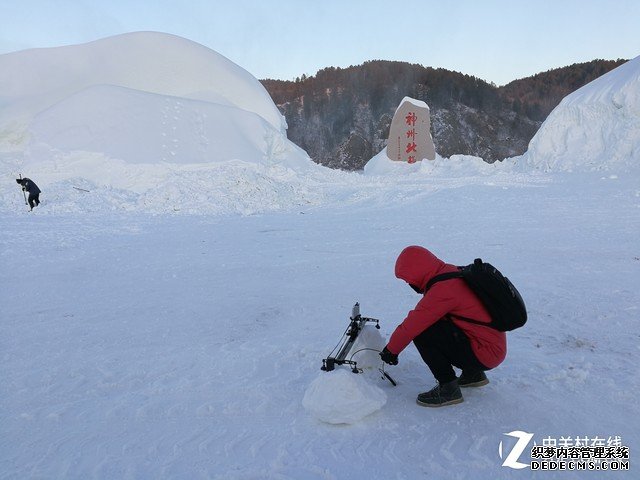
x=499, y=296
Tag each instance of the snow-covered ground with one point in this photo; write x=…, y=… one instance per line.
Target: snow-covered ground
x=166, y=310
x=160, y=346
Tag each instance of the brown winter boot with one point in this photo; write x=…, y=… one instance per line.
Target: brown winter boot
x=441, y=395
x=472, y=379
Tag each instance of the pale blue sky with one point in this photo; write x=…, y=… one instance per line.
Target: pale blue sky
x=496, y=40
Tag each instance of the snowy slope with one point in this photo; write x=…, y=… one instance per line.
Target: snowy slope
x=142, y=127
x=33, y=80
x=142, y=117
x=596, y=127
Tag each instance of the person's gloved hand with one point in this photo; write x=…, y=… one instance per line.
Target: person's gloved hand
x=388, y=357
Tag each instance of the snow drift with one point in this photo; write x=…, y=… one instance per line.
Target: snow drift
x=597, y=127
x=138, y=98
x=143, y=127
x=456, y=165
x=33, y=80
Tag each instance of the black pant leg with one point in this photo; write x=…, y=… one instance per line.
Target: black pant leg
x=443, y=346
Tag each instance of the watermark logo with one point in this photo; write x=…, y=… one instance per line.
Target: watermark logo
x=518, y=449
x=567, y=452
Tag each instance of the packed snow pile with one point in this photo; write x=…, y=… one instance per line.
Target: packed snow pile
x=33, y=80
x=109, y=111
x=595, y=128
x=456, y=165
x=142, y=127
x=341, y=396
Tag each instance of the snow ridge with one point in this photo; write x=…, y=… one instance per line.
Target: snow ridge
x=33, y=80
x=596, y=127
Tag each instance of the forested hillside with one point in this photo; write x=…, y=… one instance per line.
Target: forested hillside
x=341, y=116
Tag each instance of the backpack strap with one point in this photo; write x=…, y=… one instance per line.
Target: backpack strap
x=449, y=276
x=452, y=316
x=441, y=277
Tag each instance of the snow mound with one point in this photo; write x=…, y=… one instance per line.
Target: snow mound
x=141, y=127
x=34, y=80
x=456, y=165
x=149, y=121
x=143, y=98
x=229, y=188
x=342, y=397
x=597, y=127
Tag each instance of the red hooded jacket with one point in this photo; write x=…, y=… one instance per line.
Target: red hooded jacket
x=416, y=266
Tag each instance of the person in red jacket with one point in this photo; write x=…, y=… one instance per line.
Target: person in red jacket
x=443, y=341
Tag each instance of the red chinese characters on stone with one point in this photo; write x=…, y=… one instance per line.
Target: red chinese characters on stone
x=411, y=119
x=412, y=147
x=410, y=138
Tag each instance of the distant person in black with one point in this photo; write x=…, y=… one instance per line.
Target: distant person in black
x=32, y=189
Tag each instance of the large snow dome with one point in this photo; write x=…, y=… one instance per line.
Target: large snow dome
x=142, y=97
x=597, y=127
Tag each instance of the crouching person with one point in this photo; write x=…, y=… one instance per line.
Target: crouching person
x=443, y=340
